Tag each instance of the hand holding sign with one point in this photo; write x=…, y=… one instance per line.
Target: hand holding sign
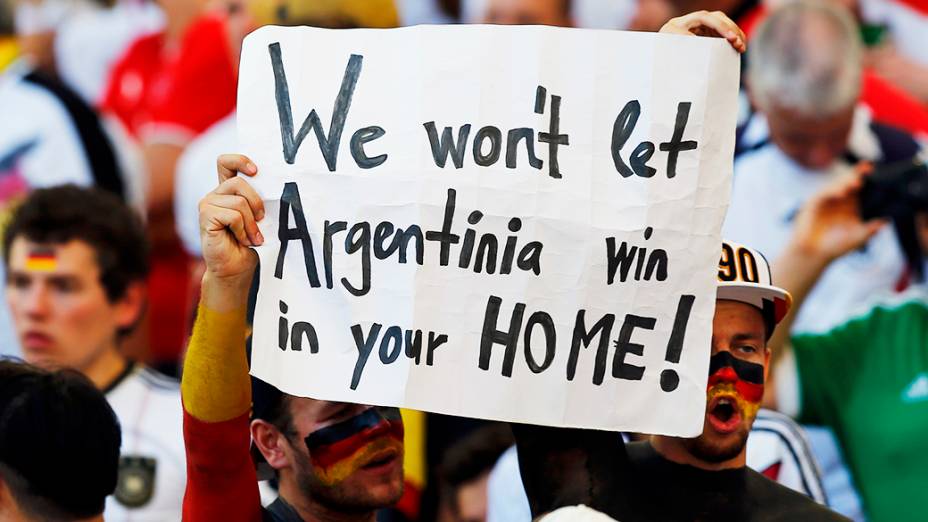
x=513, y=223
x=229, y=218
x=704, y=23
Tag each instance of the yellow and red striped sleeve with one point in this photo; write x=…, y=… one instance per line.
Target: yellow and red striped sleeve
x=216, y=392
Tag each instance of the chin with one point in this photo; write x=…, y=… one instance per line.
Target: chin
x=717, y=448
x=389, y=493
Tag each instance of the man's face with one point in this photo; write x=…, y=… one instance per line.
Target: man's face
x=61, y=312
x=737, y=371
x=347, y=456
x=527, y=12
x=814, y=143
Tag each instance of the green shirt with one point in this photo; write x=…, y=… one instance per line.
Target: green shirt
x=868, y=380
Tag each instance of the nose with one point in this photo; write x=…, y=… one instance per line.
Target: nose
x=35, y=301
x=726, y=374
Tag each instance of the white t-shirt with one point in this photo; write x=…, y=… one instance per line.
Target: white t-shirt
x=152, y=466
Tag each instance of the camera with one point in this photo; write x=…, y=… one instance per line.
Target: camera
x=899, y=191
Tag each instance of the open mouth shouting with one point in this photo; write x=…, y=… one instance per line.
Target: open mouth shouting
x=370, y=442
x=734, y=392
x=724, y=414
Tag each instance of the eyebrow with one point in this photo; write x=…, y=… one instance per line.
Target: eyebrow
x=747, y=337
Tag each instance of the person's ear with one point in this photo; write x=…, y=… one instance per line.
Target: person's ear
x=272, y=444
x=131, y=306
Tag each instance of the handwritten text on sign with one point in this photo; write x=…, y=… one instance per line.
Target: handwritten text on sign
x=514, y=223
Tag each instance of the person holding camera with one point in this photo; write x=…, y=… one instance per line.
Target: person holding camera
x=866, y=378
x=803, y=78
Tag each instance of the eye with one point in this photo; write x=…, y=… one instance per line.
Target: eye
x=18, y=281
x=64, y=285
x=338, y=414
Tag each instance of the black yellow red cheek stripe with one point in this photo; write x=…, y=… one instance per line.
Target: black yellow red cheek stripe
x=333, y=444
x=747, y=377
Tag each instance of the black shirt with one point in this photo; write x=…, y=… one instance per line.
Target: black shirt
x=632, y=482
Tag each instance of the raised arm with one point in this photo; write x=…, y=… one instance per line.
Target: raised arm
x=828, y=227
x=216, y=389
x=566, y=467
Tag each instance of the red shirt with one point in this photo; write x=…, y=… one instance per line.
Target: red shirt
x=172, y=94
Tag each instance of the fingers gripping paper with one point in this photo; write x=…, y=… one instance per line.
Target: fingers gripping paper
x=513, y=223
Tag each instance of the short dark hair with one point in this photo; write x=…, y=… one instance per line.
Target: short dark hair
x=59, y=442
x=470, y=457
x=100, y=219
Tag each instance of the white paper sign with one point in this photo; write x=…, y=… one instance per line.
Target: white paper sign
x=512, y=223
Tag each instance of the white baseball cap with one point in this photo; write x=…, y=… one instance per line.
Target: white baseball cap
x=744, y=275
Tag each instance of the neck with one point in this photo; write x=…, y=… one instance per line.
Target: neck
x=313, y=511
x=105, y=368
x=674, y=449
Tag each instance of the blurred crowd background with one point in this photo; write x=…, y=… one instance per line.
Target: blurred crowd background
x=137, y=98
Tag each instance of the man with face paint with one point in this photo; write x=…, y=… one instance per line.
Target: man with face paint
x=332, y=460
x=672, y=478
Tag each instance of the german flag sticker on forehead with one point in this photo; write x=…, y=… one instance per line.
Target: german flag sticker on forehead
x=41, y=260
x=744, y=275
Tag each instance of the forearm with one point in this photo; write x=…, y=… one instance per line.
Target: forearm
x=565, y=467
x=215, y=385
x=797, y=271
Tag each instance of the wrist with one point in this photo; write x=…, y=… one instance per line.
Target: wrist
x=225, y=293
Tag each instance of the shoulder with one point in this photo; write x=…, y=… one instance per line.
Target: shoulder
x=143, y=387
x=778, y=502
x=158, y=381
x=888, y=309
x=32, y=98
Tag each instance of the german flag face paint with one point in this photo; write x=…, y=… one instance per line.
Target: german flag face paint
x=339, y=450
x=734, y=392
x=41, y=260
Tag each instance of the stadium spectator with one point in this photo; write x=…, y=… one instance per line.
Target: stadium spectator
x=48, y=136
x=59, y=445
x=465, y=472
x=77, y=260
x=804, y=78
x=705, y=476
x=333, y=461
x=866, y=378
x=165, y=90
x=776, y=448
